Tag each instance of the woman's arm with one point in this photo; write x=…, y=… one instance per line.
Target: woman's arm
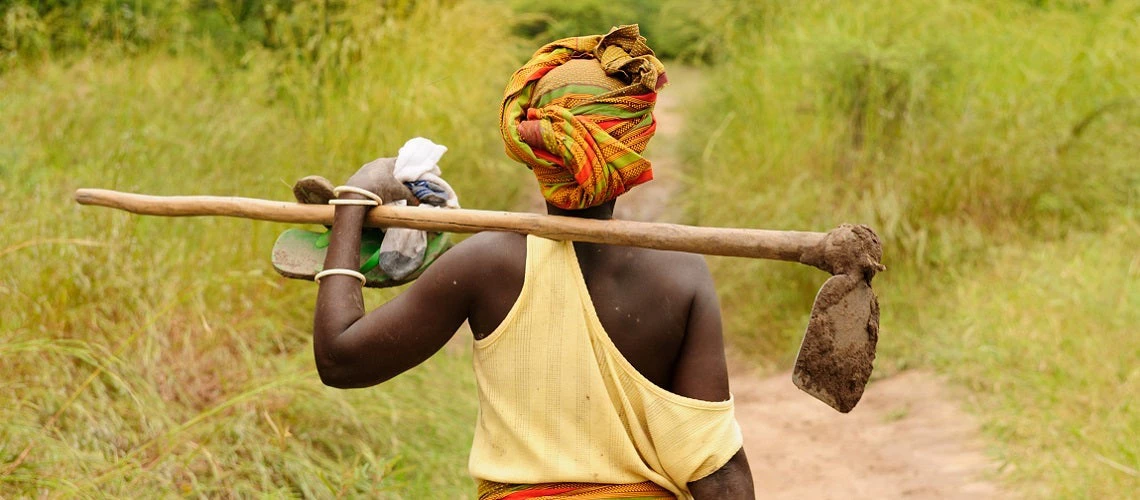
x=732, y=481
x=702, y=373
x=355, y=349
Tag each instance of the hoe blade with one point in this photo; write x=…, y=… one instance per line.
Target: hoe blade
x=834, y=362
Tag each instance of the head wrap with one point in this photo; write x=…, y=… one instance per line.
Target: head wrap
x=580, y=113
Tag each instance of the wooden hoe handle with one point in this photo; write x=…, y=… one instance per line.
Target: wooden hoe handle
x=755, y=243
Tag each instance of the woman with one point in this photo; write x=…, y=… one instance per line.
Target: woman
x=601, y=369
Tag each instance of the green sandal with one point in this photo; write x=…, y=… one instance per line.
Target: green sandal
x=300, y=254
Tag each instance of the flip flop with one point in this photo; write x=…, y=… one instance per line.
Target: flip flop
x=313, y=190
x=300, y=254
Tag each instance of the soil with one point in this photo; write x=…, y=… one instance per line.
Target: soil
x=907, y=438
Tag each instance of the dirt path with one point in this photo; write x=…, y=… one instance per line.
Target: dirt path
x=907, y=438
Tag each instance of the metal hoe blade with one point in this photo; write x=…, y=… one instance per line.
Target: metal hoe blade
x=835, y=358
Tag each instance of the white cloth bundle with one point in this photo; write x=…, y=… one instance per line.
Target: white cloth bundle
x=402, y=251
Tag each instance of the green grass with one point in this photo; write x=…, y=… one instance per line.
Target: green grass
x=993, y=147
x=1045, y=336
x=147, y=357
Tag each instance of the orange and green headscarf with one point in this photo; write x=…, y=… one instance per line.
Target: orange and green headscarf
x=580, y=113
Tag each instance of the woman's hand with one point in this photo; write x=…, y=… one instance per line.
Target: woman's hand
x=376, y=176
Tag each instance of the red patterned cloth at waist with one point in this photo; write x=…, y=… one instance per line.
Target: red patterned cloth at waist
x=489, y=490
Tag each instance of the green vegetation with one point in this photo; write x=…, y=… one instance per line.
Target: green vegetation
x=145, y=357
x=1045, y=336
x=993, y=147
x=679, y=30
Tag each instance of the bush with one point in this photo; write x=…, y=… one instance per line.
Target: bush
x=41, y=28
x=317, y=31
x=676, y=29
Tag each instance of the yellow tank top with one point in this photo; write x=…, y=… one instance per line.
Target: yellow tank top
x=558, y=402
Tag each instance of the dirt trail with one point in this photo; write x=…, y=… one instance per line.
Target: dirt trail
x=907, y=438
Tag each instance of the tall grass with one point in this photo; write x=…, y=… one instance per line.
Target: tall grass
x=1045, y=336
x=149, y=357
x=993, y=147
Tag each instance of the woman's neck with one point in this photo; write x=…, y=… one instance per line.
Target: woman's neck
x=604, y=211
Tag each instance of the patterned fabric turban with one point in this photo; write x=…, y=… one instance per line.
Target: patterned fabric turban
x=580, y=113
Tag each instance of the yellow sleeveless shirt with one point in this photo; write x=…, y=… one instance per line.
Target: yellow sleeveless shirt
x=558, y=402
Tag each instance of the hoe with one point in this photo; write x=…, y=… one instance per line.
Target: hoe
x=835, y=358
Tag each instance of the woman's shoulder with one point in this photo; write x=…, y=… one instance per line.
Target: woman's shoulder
x=684, y=267
x=491, y=254
x=490, y=247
